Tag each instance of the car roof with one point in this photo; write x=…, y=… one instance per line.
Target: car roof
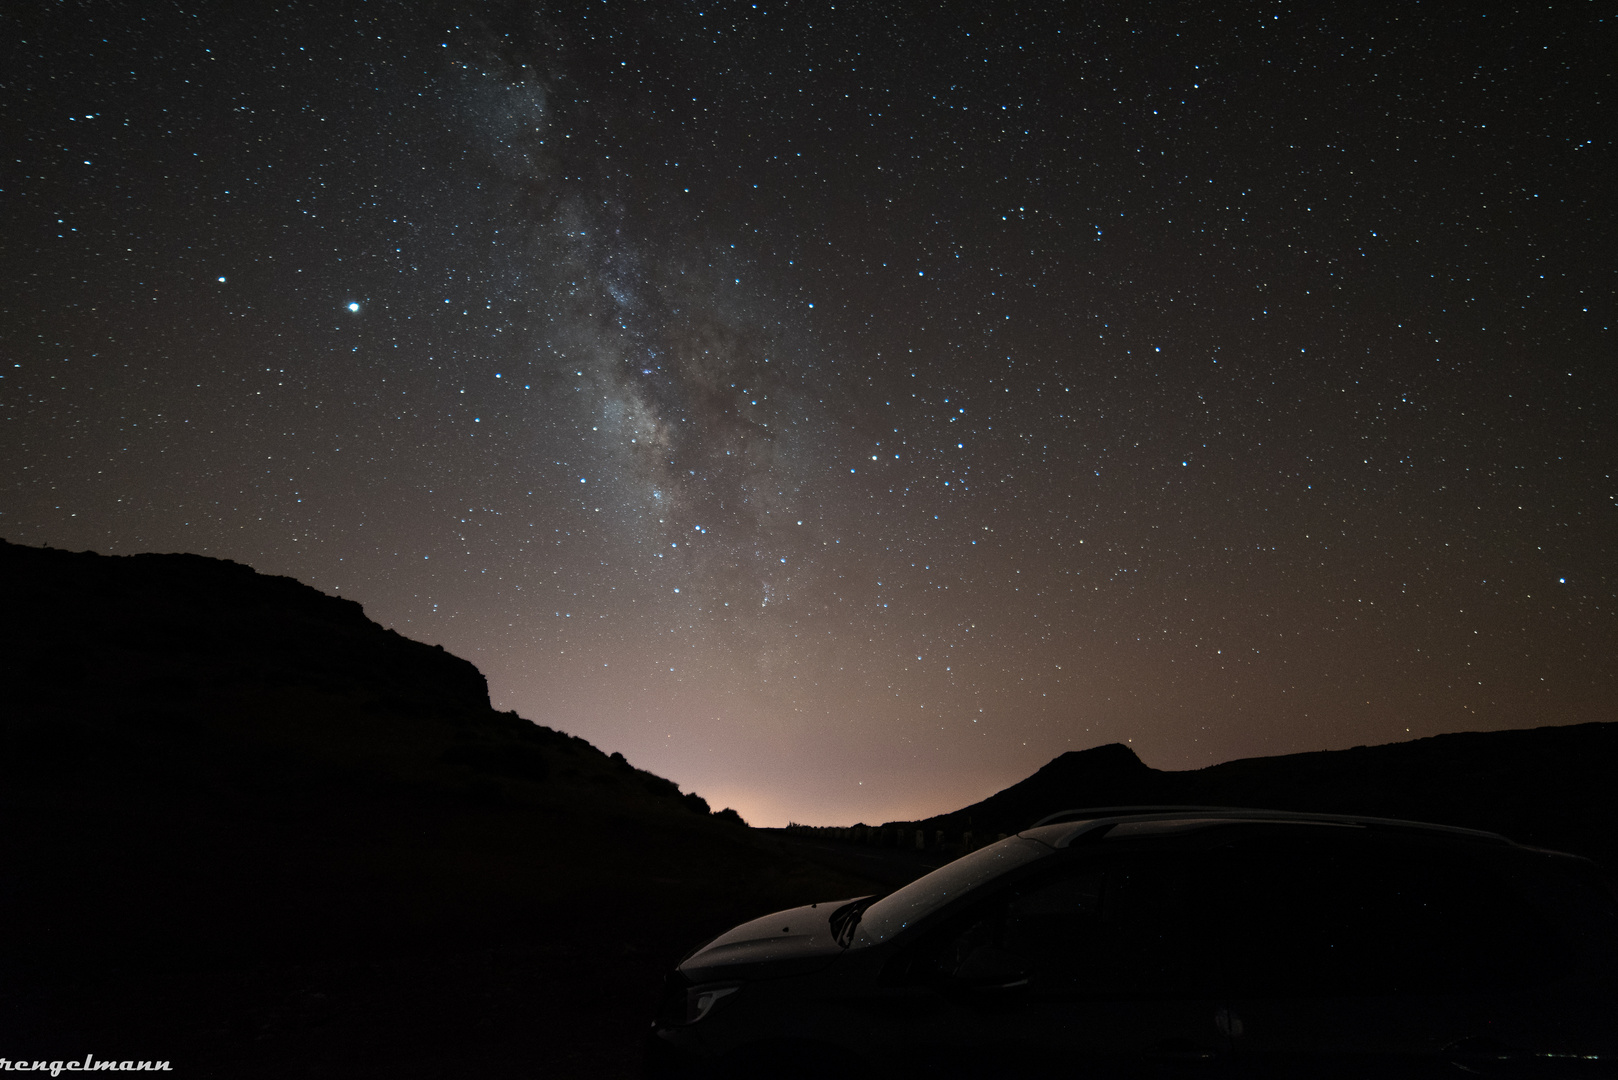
x=1061, y=829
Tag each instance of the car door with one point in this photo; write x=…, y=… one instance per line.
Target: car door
x=1339, y=953
x=1097, y=968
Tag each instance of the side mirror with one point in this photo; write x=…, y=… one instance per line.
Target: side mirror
x=989, y=968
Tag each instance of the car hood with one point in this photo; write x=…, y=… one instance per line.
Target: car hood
x=788, y=942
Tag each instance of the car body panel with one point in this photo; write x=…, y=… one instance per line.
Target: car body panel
x=785, y=942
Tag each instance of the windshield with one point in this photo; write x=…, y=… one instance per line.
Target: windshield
x=923, y=896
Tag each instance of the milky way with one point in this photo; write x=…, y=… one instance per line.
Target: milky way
x=844, y=411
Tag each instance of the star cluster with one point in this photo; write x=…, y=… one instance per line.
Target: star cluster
x=842, y=410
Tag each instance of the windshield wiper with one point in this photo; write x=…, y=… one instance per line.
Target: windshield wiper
x=846, y=918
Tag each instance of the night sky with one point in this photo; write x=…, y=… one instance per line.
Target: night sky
x=844, y=410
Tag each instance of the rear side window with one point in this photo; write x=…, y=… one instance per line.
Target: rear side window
x=1360, y=918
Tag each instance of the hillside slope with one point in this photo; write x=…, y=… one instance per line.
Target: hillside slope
x=248, y=830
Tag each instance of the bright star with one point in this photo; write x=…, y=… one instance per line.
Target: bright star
x=353, y=305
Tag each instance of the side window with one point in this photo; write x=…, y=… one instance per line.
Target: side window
x=1056, y=916
x=1152, y=938
x=1015, y=933
x=1126, y=927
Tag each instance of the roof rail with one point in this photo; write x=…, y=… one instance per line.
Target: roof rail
x=1089, y=813
x=1117, y=811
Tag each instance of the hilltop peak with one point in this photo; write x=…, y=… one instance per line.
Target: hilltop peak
x=1105, y=760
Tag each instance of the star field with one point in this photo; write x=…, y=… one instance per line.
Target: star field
x=843, y=410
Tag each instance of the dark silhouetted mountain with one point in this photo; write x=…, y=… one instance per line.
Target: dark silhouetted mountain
x=1550, y=786
x=246, y=829
x=156, y=662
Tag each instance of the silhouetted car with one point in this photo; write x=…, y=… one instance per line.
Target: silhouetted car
x=1170, y=942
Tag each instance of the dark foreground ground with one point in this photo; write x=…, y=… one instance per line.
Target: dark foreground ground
x=369, y=943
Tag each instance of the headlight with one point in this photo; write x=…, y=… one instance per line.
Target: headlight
x=700, y=1000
